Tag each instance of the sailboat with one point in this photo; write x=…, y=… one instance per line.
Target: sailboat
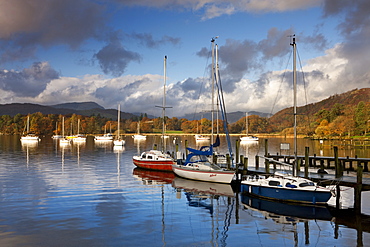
x=197, y=165
x=119, y=141
x=248, y=138
x=79, y=137
x=64, y=141
x=155, y=159
x=56, y=136
x=28, y=137
x=200, y=137
x=285, y=186
x=107, y=137
x=139, y=136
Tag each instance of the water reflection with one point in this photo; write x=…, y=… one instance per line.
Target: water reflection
x=92, y=195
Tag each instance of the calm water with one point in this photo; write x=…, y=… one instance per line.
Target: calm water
x=92, y=195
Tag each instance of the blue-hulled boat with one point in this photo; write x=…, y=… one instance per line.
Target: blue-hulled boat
x=287, y=187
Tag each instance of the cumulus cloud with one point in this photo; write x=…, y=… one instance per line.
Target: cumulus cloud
x=28, y=82
x=28, y=25
x=114, y=58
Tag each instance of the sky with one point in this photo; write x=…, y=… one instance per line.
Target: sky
x=112, y=52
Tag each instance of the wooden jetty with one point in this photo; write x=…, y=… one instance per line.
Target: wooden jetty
x=355, y=179
x=354, y=167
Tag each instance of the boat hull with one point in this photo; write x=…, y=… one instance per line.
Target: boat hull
x=286, y=194
x=221, y=176
x=158, y=165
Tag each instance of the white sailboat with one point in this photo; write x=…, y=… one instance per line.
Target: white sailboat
x=79, y=138
x=248, y=138
x=64, y=141
x=197, y=165
x=119, y=141
x=139, y=136
x=56, y=136
x=107, y=137
x=28, y=137
x=285, y=186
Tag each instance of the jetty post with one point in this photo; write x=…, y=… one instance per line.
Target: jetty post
x=358, y=189
x=237, y=146
x=338, y=165
x=267, y=164
x=306, y=161
x=186, y=148
x=245, y=166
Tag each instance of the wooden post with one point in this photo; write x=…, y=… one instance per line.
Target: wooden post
x=186, y=148
x=237, y=171
x=338, y=168
x=306, y=162
x=237, y=151
x=245, y=166
x=267, y=163
x=337, y=198
x=257, y=162
x=358, y=189
x=228, y=161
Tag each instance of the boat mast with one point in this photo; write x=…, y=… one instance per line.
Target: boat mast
x=118, y=120
x=295, y=104
x=213, y=86
x=164, y=95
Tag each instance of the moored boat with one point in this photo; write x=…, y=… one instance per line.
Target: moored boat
x=29, y=137
x=154, y=160
x=119, y=141
x=287, y=187
x=198, y=165
x=248, y=138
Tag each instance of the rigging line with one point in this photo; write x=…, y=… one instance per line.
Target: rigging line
x=305, y=91
x=281, y=83
x=224, y=116
x=203, y=81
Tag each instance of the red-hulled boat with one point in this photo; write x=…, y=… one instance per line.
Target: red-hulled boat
x=154, y=160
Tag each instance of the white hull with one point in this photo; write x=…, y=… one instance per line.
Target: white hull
x=64, y=141
x=30, y=139
x=119, y=142
x=249, y=139
x=79, y=139
x=139, y=137
x=103, y=138
x=207, y=175
x=202, y=138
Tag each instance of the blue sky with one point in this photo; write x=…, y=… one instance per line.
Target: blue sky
x=112, y=52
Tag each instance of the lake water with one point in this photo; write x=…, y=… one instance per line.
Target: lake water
x=92, y=195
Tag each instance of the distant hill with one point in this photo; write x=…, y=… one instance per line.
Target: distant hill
x=232, y=117
x=284, y=117
x=82, y=108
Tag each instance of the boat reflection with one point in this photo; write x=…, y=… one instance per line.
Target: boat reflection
x=150, y=177
x=203, y=187
x=286, y=212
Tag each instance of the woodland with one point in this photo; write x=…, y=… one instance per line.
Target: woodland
x=339, y=116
